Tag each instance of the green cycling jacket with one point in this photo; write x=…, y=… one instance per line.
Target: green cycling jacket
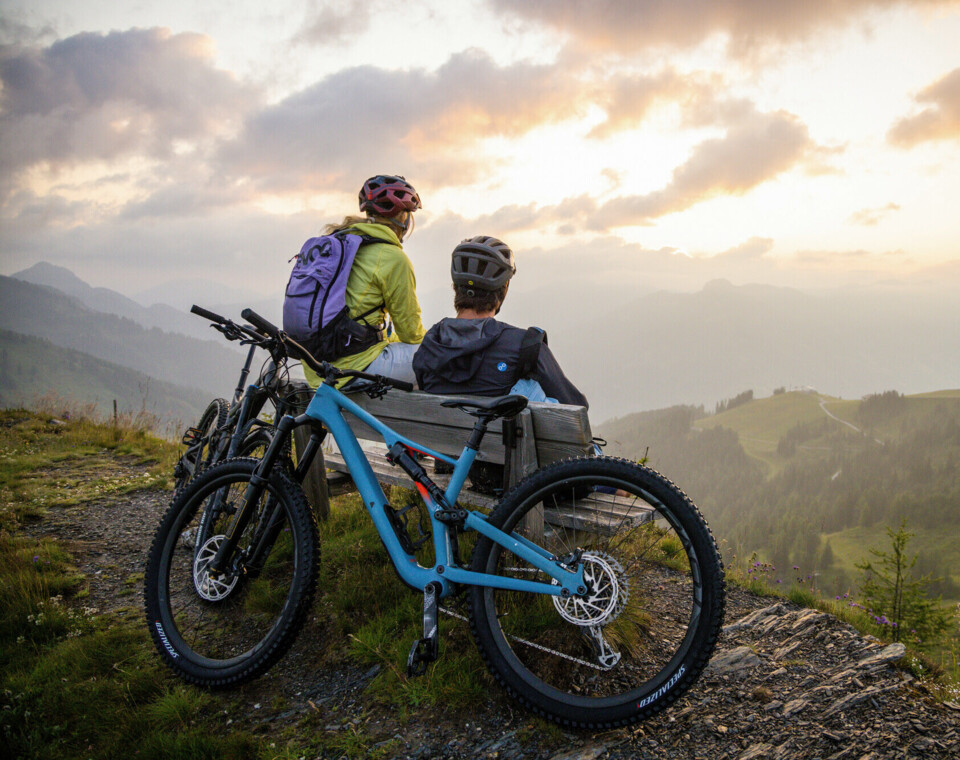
x=381, y=273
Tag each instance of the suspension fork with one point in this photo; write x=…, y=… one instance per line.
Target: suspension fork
x=306, y=457
x=251, y=497
x=250, y=407
x=271, y=520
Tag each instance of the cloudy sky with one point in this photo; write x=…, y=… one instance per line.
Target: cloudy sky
x=617, y=144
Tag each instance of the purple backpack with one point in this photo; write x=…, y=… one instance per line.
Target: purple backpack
x=315, y=312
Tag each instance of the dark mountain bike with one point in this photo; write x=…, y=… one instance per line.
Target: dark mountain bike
x=590, y=627
x=229, y=429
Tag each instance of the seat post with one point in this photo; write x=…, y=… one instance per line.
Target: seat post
x=479, y=430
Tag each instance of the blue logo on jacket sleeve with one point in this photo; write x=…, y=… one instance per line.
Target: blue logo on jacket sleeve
x=502, y=366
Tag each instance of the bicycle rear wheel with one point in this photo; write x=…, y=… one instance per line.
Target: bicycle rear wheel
x=646, y=628
x=221, y=631
x=200, y=454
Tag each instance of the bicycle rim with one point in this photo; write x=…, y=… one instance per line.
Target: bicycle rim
x=650, y=620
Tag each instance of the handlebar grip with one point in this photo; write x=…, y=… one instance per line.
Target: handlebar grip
x=200, y=311
x=260, y=323
x=401, y=385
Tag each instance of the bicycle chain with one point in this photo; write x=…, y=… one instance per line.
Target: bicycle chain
x=531, y=644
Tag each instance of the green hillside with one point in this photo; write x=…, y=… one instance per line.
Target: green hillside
x=812, y=481
x=762, y=423
x=33, y=367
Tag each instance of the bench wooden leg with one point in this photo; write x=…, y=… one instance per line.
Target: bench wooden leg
x=315, y=484
x=533, y=525
x=523, y=462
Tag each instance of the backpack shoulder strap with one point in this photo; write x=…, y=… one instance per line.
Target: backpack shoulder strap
x=530, y=351
x=365, y=240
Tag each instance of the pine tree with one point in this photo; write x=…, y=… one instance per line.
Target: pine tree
x=897, y=599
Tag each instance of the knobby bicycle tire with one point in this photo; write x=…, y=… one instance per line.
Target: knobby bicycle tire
x=195, y=460
x=219, y=632
x=650, y=622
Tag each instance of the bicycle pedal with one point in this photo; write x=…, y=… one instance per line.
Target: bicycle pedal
x=422, y=653
x=191, y=436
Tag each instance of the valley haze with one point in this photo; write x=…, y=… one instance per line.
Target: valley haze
x=646, y=352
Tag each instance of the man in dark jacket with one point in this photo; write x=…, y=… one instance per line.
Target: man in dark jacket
x=477, y=355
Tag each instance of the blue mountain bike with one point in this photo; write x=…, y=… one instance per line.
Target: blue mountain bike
x=592, y=625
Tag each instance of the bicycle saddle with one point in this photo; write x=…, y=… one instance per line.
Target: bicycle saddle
x=501, y=406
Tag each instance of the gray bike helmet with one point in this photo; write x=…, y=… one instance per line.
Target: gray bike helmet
x=482, y=263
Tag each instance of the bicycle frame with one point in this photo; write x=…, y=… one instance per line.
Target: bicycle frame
x=327, y=407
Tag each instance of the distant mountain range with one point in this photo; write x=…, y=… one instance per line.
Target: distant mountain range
x=627, y=353
x=666, y=348
x=44, y=312
x=106, y=301
x=31, y=368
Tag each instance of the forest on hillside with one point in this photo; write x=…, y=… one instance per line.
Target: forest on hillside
x=829, y=482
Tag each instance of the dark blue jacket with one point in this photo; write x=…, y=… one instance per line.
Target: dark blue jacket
x=481, y=357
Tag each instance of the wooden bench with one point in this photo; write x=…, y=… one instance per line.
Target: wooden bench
x=542, y=434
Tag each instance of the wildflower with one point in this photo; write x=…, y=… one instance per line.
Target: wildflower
x=36, y=557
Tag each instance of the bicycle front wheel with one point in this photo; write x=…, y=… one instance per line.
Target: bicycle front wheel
x=217, y=631
x=650, y=619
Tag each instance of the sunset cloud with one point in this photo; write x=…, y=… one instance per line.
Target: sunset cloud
x=870, y=217
x=645, y=132
x=626, y=25
x=627, y=100
x=363, y=119
x=756, y=149
x=326, y=24
x=940, y=120
x=103, y=96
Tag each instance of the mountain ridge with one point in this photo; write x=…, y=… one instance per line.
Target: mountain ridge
x=107, y=301
x=44, y=312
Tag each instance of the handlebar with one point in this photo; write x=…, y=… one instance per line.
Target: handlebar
x=260, y=323
x=232, y=331
x=199, y=310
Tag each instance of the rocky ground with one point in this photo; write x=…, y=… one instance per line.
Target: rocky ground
x=786, y=682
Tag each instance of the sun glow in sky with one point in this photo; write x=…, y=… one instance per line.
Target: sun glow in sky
x=802, y=142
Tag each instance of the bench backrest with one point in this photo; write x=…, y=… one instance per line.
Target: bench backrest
x=560, y=430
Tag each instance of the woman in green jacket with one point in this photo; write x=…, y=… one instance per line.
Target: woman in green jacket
x=381, y=288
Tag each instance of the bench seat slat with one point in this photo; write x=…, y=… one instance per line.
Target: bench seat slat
x=592, y=522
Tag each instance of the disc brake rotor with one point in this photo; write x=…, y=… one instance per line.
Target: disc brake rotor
x=603, y=598
x=210, y=588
